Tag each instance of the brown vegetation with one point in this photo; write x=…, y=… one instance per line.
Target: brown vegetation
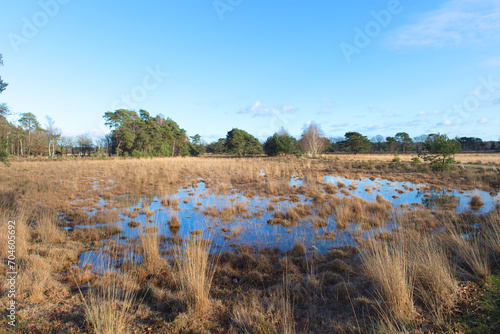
x=406, y=277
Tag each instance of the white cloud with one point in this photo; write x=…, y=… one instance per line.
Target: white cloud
x=258, y=109
x=457, y=22
x=422, y=113
x=445, y=123
x=483, y=120
x=375, y=126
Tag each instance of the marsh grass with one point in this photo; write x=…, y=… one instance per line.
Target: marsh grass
x=393, y=274
x=435, y=284
x=22, y=233
x=491, y=233
x=196, y=275
x=411, y=272
x=476, y=202
x=109, y=304
x=35, y=281
x=174, y=222
x=286, y=308
x=472, y=251
x=150, y=243
x=47, y=229
x=417, y=269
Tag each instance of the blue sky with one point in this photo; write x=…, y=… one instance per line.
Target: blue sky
x=377, y=67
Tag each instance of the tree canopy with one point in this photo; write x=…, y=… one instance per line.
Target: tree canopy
x=355, y=142
x=442, y=150
x=240, y=142
x=3, y=86
x=313, y=141
x=143, y=135
x=4, y=153
x=404, y=140
x=280, y=144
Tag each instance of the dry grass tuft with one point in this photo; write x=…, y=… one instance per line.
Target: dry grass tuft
x=150, y=243
x=476, y=202
x=35, y=282
x=472, y=251
x=105, y=217
x=109, y=304
x=22, y=233
x=410, y=270
x=330, y=188
x=133, y=224
x=171, y=203
x=94, y=233
x=174, y=222
x=435, y=285
x=47, y=230
x=196, y=275
x=491, y=234
x=387, y=266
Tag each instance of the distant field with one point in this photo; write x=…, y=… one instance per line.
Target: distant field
x=464, y=158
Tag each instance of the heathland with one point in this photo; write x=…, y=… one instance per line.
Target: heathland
x=218, y=244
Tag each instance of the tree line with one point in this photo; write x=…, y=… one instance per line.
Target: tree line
x=142, y=135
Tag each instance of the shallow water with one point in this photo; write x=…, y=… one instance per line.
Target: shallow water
x=389, y=189
x=254, y=230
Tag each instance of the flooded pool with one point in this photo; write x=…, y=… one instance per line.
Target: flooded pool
x=232, y=219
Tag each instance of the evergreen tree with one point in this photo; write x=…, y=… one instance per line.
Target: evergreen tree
x=355, y=142
x=240, y=142
x=280, y=144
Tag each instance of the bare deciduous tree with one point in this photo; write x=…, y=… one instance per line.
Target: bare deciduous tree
x=313, y=140
x=53, y=135
x=85, y=144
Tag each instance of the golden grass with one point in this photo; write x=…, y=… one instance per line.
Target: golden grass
x=465, y=158
x=109, y=304
x=150, y=243
x=417, y=271
x=35, y=281
x=22, y=234
x=196, y=275
x=286, y=308
x=388, y=267
x=473, y=251
x=491, y=233
x=476, y=202
x=411, y=270
x=47, y=229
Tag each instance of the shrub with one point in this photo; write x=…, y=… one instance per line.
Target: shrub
x=415, y=161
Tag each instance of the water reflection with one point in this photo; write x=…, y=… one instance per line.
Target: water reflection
x=251, y=227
